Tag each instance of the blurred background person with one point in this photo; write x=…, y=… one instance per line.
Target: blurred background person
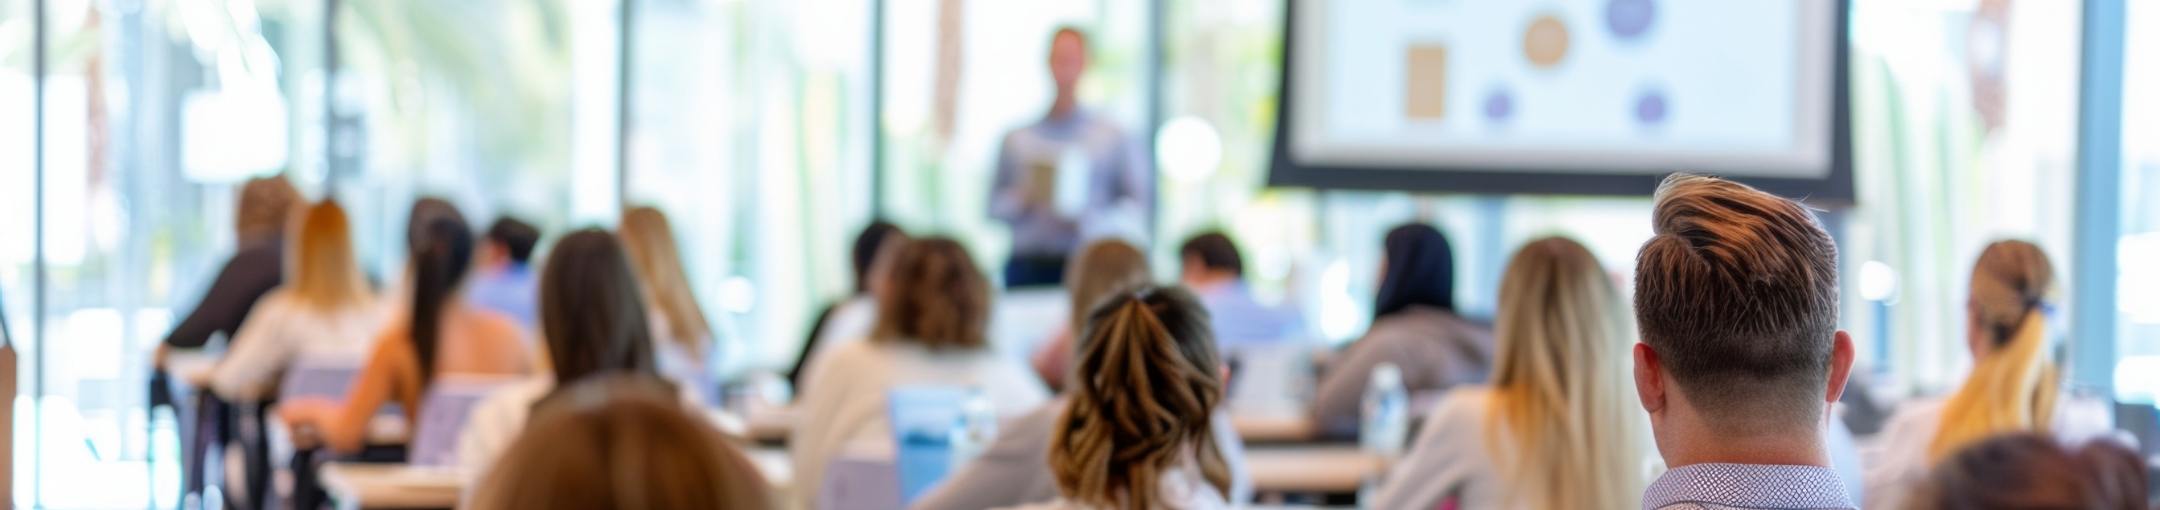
x=440, y=334
x=1138, y=433
x=2029, y=471
x=592, y=323
x=1015, y=469
x=684, y=339
x=259, y=223
x=1102, y=269
x=2012, y=387
x=1557, y=428
x=1215, y=271
x=622, y=441
x=1072, y=176
x=851, y=319
x=1414, y=327
x=324, y=308
x=931, y=331
x=503, y=279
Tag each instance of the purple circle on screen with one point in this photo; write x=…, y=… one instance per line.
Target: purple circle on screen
x=1629, y=18
x=1651, y=108
x=1499, y=106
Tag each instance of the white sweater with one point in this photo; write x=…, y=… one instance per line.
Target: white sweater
x=1451, y=456
x=844, y=397
x=1182, y=489
x=282, y=329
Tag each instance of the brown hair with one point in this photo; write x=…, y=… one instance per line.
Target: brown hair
x=1101, y=269
x=1738, y=295
x=590, y=310
x=935, y=296
x=621, y=442
x=2012, y=385
x=2020, y=471
x=658, y=262
x=1144, y=402
x=264, y=206
x=1561, y=422
x=320, y=267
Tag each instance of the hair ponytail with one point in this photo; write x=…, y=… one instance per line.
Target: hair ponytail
x=2013, y=385
x=1144, y=400
x=438, y=263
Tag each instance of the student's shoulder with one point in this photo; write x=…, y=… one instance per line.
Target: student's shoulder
x=1462, y=404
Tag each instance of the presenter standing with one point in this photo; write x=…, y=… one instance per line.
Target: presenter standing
x=1071, y=177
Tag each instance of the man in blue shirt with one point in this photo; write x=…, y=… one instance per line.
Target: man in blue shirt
x=503, y=280
x=1736, y=298
x=1070, y=177
x=1214, y=271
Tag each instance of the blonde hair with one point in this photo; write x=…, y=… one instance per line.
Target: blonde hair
x=320, y=267
x=1561, y=423
x=1143, y=404
x=621, y=441
x=1103, y=268
x=2012, y=386
x=264, y=206
x=658, y=263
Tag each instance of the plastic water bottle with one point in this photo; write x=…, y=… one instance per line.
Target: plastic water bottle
x=1383, y=424
x=975, y=430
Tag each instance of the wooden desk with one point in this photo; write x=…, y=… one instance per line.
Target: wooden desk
x=390, y=486
x=1273, y=427
x=1328, y=469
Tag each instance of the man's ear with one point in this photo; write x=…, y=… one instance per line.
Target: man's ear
x=1841, y=361
x=1649, y=379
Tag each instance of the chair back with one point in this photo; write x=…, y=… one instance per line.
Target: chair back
x=860, y=482
x=443, y=412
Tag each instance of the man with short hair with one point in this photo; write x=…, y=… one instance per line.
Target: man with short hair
x=1736, y=298
x=1071, y=177
x=1215, y=272
x=502, y=276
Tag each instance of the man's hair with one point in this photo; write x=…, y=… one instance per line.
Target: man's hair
x=1216, y=251
x=517, y=236
x=1738, y=295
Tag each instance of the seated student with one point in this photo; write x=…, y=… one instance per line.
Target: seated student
x=1414, y=326
x=1557, y=429
x=1015, y=469
x=1138, y=433
x=440, y=335
x=850, y=320
x=2012, y=386
x=680, y=332
x=1101, y=268
x=2024, y=471
x=621, y=441
x=504, y=280
x=1736, y=301
x=593, y=323
x=259, y=222
x=324, y=308
x=1214, y=270
x=932, y=317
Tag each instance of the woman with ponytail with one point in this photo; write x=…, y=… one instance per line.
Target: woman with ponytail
x=2012, y=387
x=437, y=334
x=1557, y=428
x=1139, y=431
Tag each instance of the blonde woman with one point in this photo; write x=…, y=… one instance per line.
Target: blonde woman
x=1139, y=431
x=1102, y=268
x=324, y=308
x=679, y=327
x=2011, y=388
x=1556, y=429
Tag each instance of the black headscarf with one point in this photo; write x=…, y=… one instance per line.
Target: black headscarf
x=1420, y=271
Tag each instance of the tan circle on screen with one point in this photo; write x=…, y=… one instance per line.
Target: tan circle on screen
x=1545, y=43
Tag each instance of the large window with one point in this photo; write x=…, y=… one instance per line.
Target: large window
x=2138, y=285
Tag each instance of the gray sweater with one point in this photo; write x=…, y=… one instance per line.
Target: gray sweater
x=1435, y=350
